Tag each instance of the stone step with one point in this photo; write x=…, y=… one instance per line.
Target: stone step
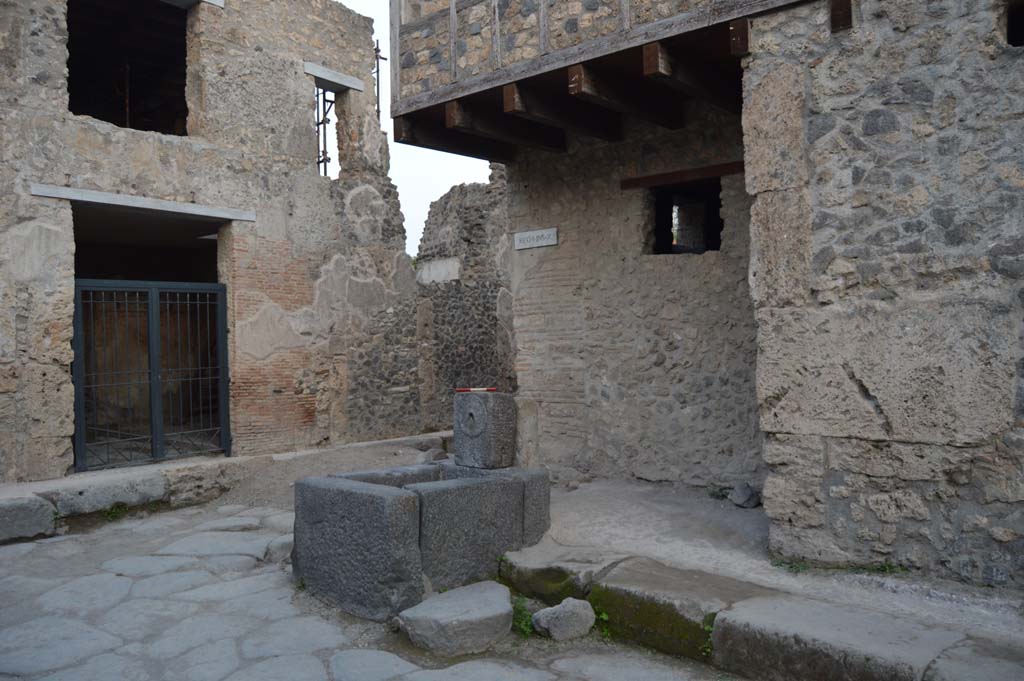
x=672, y=611
x=552, y=573
x=786, y=637
x=748, y=629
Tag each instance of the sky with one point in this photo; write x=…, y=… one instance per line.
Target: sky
x=422, y=175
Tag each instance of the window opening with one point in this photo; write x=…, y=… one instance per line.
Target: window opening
x=127, y=63
x=1015, y=23
x=325, y=100
x=379, y=57
x=687, y=218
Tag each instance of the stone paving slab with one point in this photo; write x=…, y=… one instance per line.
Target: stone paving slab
x=369, y=665
x=482, y=670
x=220, y=544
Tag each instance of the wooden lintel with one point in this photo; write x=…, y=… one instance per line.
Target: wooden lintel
x=841, y=12
x=683, y=176
x=739, y=37
x=661, y=66
x=660, y=108
x=506, y=129
x=561, y=112
x=416, y=133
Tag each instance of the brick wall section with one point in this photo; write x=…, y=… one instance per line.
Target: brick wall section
x=886, y=272
x=631, y=364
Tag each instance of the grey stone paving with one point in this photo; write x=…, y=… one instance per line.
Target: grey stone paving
x=204, y=594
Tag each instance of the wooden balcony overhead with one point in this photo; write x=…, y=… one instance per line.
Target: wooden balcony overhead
x=653, y=82
x=494, y=106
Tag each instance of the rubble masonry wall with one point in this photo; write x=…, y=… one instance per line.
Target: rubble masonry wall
x=632, y=364
x=887, y=265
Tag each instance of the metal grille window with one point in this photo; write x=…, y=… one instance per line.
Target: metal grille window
x=324, y=107
x=150, y=372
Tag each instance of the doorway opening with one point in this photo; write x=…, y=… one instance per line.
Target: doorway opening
x=150, y=338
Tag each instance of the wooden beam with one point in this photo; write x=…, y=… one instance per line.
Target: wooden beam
x=661, y=109
x=661, y=66
x=561, y=112
x=507, y=129
x=416, y=133
x=841, y=12
x=683, y=176
x=739, y=37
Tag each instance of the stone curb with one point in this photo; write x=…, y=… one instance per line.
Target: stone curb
x=750, y=630
x=33, y=509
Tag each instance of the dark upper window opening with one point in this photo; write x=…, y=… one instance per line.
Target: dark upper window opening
x=1015, y=23
x=127, y=62
x=687, y=218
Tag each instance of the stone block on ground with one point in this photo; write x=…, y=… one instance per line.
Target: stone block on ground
x=551, y=572
x=485, y=430
x=466, y=526
x=664, y=608
x=395, y=477
x=536, y=494
x=572, y=618
x=357, y=545
x=787, y=638
x=25, y=517
x=462, y=621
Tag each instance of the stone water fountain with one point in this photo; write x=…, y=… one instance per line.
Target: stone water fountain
x=375, y=543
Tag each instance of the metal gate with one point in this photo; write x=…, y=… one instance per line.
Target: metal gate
x=150, y=372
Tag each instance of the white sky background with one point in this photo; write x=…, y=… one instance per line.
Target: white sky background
x=422, y=175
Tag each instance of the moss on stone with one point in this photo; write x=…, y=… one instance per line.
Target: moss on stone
x=552, y=585
x=652, y=624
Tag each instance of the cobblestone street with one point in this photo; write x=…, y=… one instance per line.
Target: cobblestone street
x=204, y=594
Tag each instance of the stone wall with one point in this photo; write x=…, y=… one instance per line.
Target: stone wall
x=464, y=308
x=425, y=54
x=631, y=364
x=308, y=283
x=887, y=271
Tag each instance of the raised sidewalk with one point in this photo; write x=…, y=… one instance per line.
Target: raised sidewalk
x=674, y=570
x=34, y=509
